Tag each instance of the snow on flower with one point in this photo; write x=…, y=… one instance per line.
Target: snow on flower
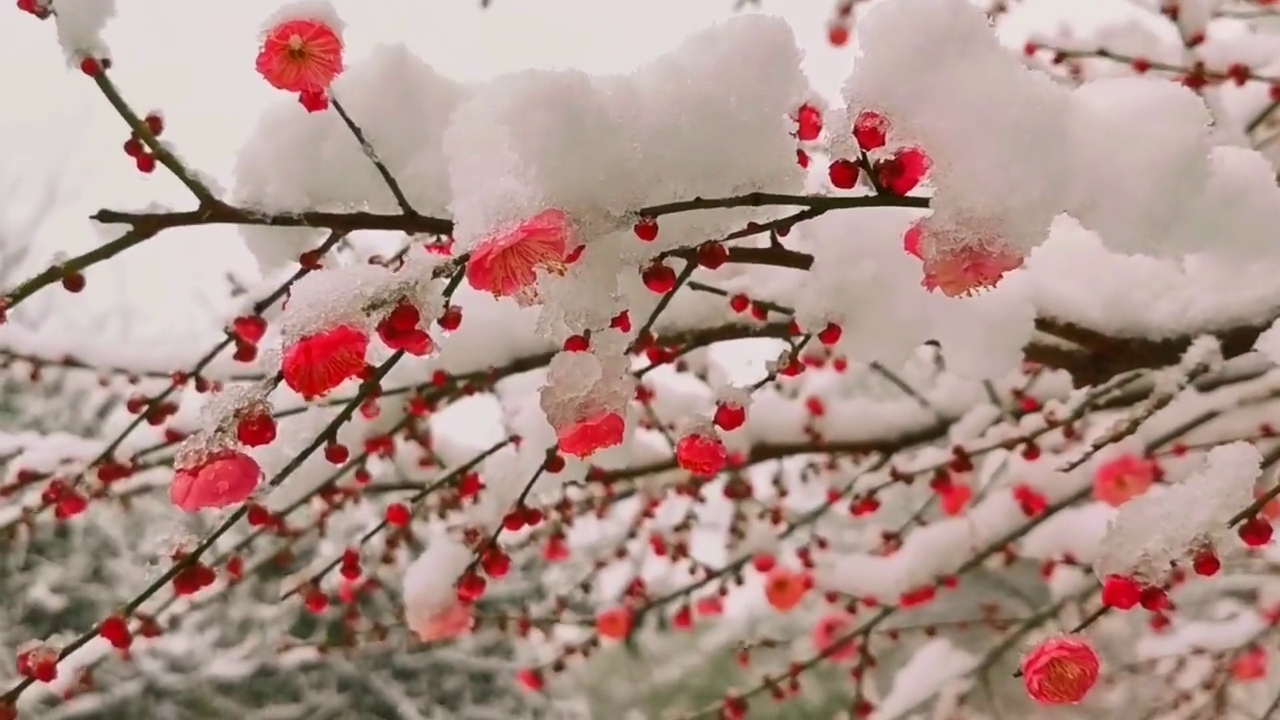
x=585, y=397
x=222, y=480
x=863, y=280
x=454, y=620
x=80, y=25
x=1165, y=524
x=992, y=128
x=1060, y=670
x=507, y=262
x=961, y=257
x=431, y=606
x=584, y=437
x=537, y=139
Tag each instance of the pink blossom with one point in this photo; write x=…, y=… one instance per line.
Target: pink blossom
x=615, y=623
x=955, y=498
x=903, y=171
x=506, y=264
x=784, y=589
x=223, y=480
x=710, y=606
x=302, y=56
x=701, y=454
x=1060, y=670
x=319, y=363
x=453, y=620
x=585, y=437
x=1250, y=665
x=911, y=239
x=1123, y=479
x=961, y=258
x=832, y=629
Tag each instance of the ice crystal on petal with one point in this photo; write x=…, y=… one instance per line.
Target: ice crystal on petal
x=963, y=255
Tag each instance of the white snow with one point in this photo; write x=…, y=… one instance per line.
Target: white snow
x=1168, y=523
x=80, y=25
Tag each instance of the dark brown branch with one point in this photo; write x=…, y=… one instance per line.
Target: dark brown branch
x=223, y=214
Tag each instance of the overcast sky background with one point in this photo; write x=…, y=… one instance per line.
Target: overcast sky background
x=194, y=60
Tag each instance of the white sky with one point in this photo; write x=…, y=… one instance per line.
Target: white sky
x=194, y=60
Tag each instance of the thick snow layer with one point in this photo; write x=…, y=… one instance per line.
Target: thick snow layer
x=80, y=25
x=428, y=581
x=600, y=148
x=1169, y=523
x=993, y=128
x=296, y=160
x=1137, y=178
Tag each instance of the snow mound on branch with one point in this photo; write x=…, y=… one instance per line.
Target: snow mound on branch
x=1133, y=159
x=1162, y=526
x=992, y=128
x=862, y=280
x=942, y=547
x=359, y=295
x=1237, y=214
x=1143, y=296
x=80, y=25
x=296, y=160
x=1142, y=149
x=428, y=581
x=1160, y=186
x=602, y=147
